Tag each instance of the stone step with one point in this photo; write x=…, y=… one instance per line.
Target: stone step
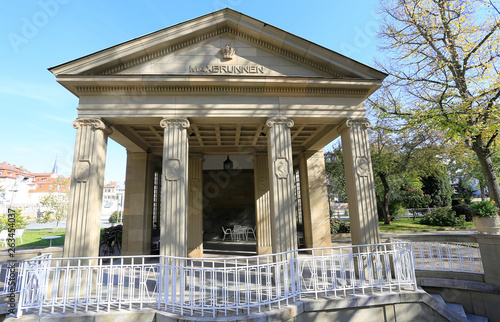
x=438, y=297
x=457, y=308
x=476, y=318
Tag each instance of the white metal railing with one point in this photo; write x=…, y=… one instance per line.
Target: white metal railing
x=446, y=256
x=12, y=273
x=201, y=287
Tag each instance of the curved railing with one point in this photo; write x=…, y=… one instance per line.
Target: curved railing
x=226, y=286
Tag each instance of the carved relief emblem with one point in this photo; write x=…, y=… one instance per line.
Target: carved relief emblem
x=281, y=166
x=362, y=167
x=227, y=52
x=173, y=169
x=82, y=171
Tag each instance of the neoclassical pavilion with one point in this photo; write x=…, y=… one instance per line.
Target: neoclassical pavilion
x=182, y=99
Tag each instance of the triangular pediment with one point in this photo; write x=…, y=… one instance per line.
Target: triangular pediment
x=193, y=48
x=225, y=54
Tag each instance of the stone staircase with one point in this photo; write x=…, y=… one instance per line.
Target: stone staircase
x=459, y=309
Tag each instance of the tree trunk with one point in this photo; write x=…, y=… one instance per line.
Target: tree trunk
x=483, y=154
x=385, y=201
x=483, y=192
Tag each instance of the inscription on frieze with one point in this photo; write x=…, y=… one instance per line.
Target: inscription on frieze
x=227, y=69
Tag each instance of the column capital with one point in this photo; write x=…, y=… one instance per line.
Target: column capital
x=349, y=123
x=96, y=123
x=175, y=121
x=279, y=120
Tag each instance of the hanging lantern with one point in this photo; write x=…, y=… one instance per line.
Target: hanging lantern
x=228, y=164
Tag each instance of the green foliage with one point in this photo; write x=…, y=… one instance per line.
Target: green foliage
x=463, y=210
x=57, y=205
x=109, y=234
x=443, y=217
x=442, y=57
x=413, y=198
x=335, y=174
x=18, y=222
x=462, y=190
x=115, y=217
x=484, y=209
x=338, y=226
x=438, y=187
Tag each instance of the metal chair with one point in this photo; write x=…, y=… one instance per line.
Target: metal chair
x=19, y=234
x=251, y=230
x=226, y=232
x=4, y=234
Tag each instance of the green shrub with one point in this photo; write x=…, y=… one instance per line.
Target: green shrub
x=443, y=217
x=339, y=226
x=108, y=234
x=484, y=208
x=463, y=210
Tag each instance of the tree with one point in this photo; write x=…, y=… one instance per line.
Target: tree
x=20, y=221
x=57, y=205
x=444, y=62
x=437, y=186
x=335, y=174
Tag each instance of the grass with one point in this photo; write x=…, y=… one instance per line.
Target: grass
x=32, y=238
x=409, y=224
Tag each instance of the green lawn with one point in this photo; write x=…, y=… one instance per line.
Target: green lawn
x=32, y=238
x=411, y=225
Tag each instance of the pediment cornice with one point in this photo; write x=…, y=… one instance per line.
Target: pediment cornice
x=220, y=32
x=146, y=48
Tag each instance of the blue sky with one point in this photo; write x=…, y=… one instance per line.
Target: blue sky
x=37, y=112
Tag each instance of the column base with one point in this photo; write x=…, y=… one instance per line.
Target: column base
x=265, y=250
x=195, y=253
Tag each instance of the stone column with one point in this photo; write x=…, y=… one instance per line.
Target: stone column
x=87, y=182
x=314, y=198
x=281, y=184
x=359, y=182
x=138, y=204
x=174, y=188
x=262, y=206
x=489, y=246
x=195, y=206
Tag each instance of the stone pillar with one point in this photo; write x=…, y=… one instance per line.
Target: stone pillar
x=314, y=198
x=281, y=184
x=489, y=246
x=138, y=204
x=87, y=182
x=174, y=188
x=195, y=206
x=359, y=182
x=262, y=206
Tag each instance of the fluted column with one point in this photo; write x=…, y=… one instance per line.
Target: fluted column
x=195, y=206
x=174, y=189
x=87, y=181
x=262, y=210
x=314, y=198
x=281, y=184
x=138, y=204
x=359, y=182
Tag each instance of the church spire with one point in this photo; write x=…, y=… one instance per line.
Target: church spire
x=54, y=169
